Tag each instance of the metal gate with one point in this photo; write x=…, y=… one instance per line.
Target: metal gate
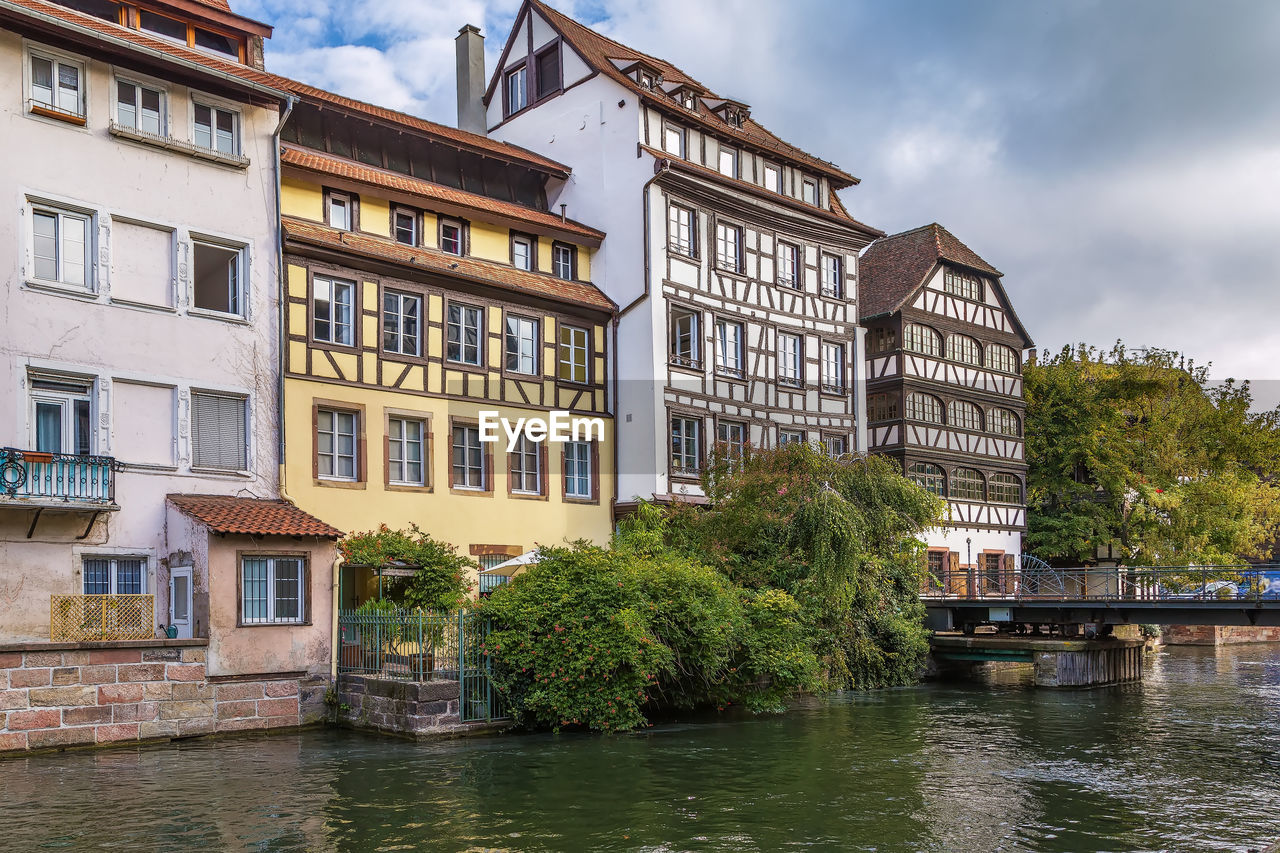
x=479, y=700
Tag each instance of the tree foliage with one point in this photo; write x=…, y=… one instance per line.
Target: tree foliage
x=440, y=580
x=1139, y=450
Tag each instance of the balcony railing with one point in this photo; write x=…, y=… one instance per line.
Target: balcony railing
x=55, y=479
x=102, y=617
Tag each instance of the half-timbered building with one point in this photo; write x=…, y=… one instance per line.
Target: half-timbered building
x=427, y=284
x=732, y=259
x=944, y=394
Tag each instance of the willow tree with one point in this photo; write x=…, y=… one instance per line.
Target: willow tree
x=1140, y=451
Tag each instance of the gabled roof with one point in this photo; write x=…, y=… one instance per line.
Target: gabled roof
x=472, y=270
x=327, y=164
x=606, y=56
x=252, y=516
x=893, y=268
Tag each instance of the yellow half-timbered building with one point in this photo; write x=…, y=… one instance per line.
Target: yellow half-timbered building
x=426, y=284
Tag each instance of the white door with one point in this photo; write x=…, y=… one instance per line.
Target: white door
x=180, y=600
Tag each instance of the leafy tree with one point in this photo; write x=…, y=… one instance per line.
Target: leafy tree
x=440, y=580
x=1139, y=450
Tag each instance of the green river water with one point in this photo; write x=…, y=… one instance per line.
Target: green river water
x=1187, y=760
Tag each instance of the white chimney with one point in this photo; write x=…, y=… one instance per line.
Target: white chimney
x=471, y=113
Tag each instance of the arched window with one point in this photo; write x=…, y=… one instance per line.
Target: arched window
x=1005, y=489
x=967, y=485
x=921, y=339
x=882, y=407
x=924, y=407
x=928, y=477
x=963, y=349
x=962, y=285
x=1004, y=422
x=964, y=415
x=1002, y=358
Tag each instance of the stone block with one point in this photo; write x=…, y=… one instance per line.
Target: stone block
x=58, y=696
x=60, y=737
x=140, y=672
x=158, y=690
x=193, y=655
x=117, y=732
x=158, y=729
x=184, y=672
x=10, y=699
x=277, y=707
x=115, y=656
x=239, y=690
x=90, y=715
x=242, y=725
x=79, y=657
x=282, y=722
x=65, y=675
x=280, y=689
x=10, y=660
x=10, y=741
x=100, y=674
x=141, y=712
x=4, y=679
x=197, y=726
x=35, y=659
x=193, y=690
x=112, y=693
x=30, y=677
x=45, y=718
x=161, y=655
x=435, y=690
x=186, y=710
x=239, y=708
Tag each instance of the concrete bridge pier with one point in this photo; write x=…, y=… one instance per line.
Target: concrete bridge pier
x=1056, y=663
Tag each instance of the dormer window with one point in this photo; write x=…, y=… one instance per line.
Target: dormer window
x=688, y=101
x=547, y=69
x=673, y=140
x=772, y=178
x=647, y=80
x=809, y=191
x=733, y=118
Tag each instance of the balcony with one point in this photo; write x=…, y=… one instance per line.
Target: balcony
x=57, y=482
x=80, y=618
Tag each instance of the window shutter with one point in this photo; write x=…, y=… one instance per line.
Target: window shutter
x=218, y=431
x=957, y=584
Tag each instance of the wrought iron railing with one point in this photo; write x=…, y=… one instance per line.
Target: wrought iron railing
x=415, y=645
x=30, y=476
x=1038, y=581
x=102, y=617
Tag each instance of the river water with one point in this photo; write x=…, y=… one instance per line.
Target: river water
x=1188, y=760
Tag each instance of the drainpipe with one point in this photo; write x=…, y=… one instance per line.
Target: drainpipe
x=661, y=167
x=335, y=642
x=282, y=296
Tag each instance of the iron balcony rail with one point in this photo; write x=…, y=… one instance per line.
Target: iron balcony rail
x=1233, y=582
x=414, y=645
x=101, y=617
x=51, y=478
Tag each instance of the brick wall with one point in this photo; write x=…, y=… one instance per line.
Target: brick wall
x=419, y=708
x=1208, y=635
x=69, y=694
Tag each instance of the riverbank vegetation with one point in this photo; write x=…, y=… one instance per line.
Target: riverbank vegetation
x=1140, y=452
x=803, y=573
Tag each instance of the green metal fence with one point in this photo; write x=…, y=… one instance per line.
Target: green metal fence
x=423, y=645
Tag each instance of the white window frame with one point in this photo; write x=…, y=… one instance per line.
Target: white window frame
x=398, y=468
x=693, y=335
x=335, y=432
x=776, y=171
x=835, y=446
x=241, y=274
x=397, y=314
x=469, y=431
x=789, y=265
x=832, y=275
x=562, y=261
x=577, y=470
x=62, y=213
x=56, y=58
x=243, y=400
x=415, y=229
x=465, y=313
x=806, y=185
x=271, y=585
x=686, y=445
x=162, y=129
x=447, y=222
x=339, y=334
x=214, y=109
x=791, y=359
x=733, y=435
x=574, y=353
x=516, y=98
x=523, y=332
x=833, y=368
x=113, y=572
x=343, y=202
x=518, y=242
x=729, y=237
x=674, y=136
x=682, y=231
x=790, y=436
x=526, y=451
x=70, y=392
x=728, y=158
x=730, y=355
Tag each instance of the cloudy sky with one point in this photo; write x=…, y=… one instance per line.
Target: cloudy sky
x=1119, y=161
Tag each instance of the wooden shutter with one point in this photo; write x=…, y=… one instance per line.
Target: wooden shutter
x=218, y=431
x=1008, y=576
x=955, y=584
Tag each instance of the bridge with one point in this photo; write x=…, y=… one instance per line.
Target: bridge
x=1039, y=597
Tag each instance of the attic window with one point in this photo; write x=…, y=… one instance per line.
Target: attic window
x=547, y=70
x=646, y=80
x=733, y=118
x=685, y=98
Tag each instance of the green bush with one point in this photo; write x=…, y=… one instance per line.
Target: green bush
x=440, y=580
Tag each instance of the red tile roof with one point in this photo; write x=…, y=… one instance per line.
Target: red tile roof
x=599, y=50
x=317, y=161
x=216, y=4
x=430, y=260
x=252, y=516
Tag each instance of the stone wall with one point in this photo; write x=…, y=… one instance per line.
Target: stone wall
x=56, y=695
x=415, y=708
x=1208, y=635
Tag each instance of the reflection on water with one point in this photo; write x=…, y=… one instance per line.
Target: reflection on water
x=1188, y=760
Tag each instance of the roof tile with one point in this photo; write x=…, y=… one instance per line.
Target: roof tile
x=252, y=516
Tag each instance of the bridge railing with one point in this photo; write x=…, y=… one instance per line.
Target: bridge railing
x=1242, y=582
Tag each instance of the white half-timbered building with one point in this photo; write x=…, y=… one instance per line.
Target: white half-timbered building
x=732, y=260
x=944, y=394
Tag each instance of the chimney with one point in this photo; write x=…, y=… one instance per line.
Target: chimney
x=471, y=112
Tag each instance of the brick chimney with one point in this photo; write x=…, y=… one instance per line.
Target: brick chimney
x=471, y=112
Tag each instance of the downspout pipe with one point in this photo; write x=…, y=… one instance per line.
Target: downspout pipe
x=660, y=168
x=282, y=298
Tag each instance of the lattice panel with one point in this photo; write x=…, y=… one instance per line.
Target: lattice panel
x=102, y=617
